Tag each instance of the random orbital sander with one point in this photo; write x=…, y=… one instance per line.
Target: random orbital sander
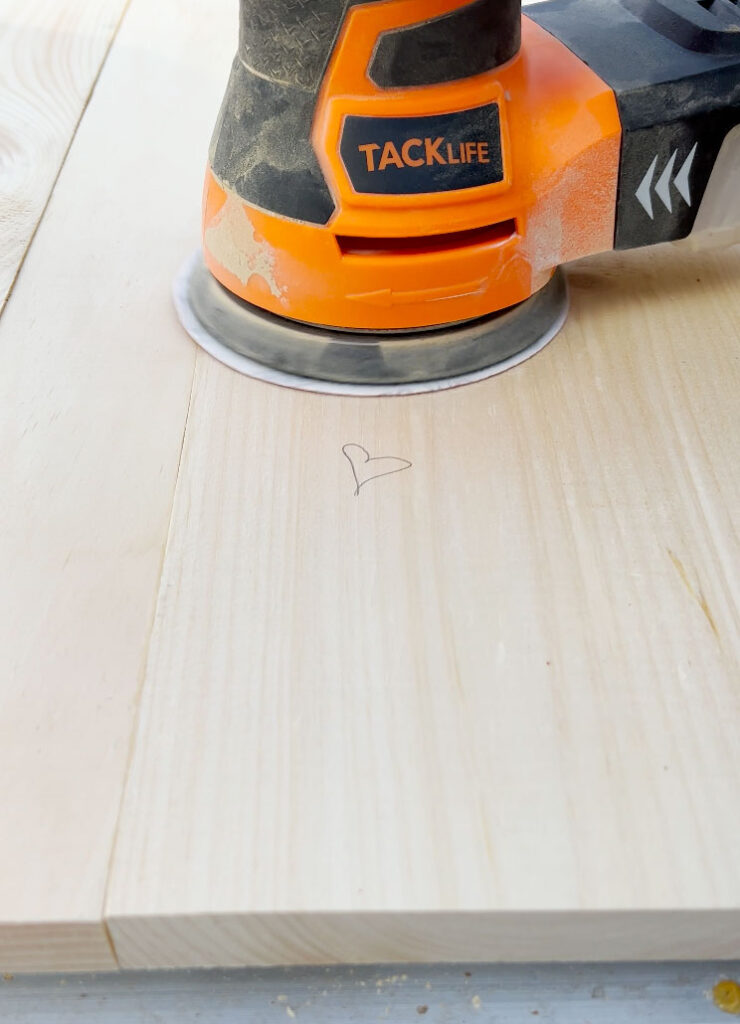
x=394, y=185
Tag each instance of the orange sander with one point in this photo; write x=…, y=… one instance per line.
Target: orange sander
x=393, y=185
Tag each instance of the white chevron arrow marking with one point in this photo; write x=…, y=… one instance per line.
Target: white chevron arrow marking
x=644, y=192
x=663, y=188
x=682, y=178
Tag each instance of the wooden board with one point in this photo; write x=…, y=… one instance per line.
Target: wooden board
x=95, y=379
x=485, y=708
x=50, y=55
x=489, y=707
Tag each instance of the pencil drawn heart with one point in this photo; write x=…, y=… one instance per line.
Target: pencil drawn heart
x=366, y=469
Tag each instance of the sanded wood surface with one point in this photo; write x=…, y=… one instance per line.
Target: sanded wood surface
x=95, y=380
x=50, y=55
x=486, y=708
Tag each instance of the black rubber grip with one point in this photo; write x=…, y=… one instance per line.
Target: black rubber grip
x=290, y=41
x=262, y=150
x=467, y=42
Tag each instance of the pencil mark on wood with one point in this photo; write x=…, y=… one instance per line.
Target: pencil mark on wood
x=365, y=468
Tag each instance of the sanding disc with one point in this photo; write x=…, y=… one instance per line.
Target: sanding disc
x=327, y=360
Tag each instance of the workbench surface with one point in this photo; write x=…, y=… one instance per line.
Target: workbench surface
x=489, y=708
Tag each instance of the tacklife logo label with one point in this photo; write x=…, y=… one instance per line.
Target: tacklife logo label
x=417, y=152
x=416, y=155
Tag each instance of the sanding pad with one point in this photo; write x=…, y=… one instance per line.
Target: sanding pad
x=289, y=353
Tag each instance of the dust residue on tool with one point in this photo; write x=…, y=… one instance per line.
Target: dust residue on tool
x=571, y=219
x=232, y=242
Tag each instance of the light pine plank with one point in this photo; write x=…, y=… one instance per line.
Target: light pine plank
x=50, y=55
x=95, y=379
x=487, y=709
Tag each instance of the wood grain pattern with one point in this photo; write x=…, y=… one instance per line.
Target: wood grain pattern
x=95, y=379
x=50, y=55
x=487, y=709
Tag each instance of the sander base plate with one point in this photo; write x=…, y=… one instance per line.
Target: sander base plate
x=330, y=361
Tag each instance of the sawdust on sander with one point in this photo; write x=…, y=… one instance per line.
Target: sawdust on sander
x=574, y=213
x=232, y=242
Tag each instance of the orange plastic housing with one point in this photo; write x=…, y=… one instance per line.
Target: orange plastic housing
x=399, y=262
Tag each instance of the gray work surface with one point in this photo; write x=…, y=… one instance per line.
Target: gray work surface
x=557, y=994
